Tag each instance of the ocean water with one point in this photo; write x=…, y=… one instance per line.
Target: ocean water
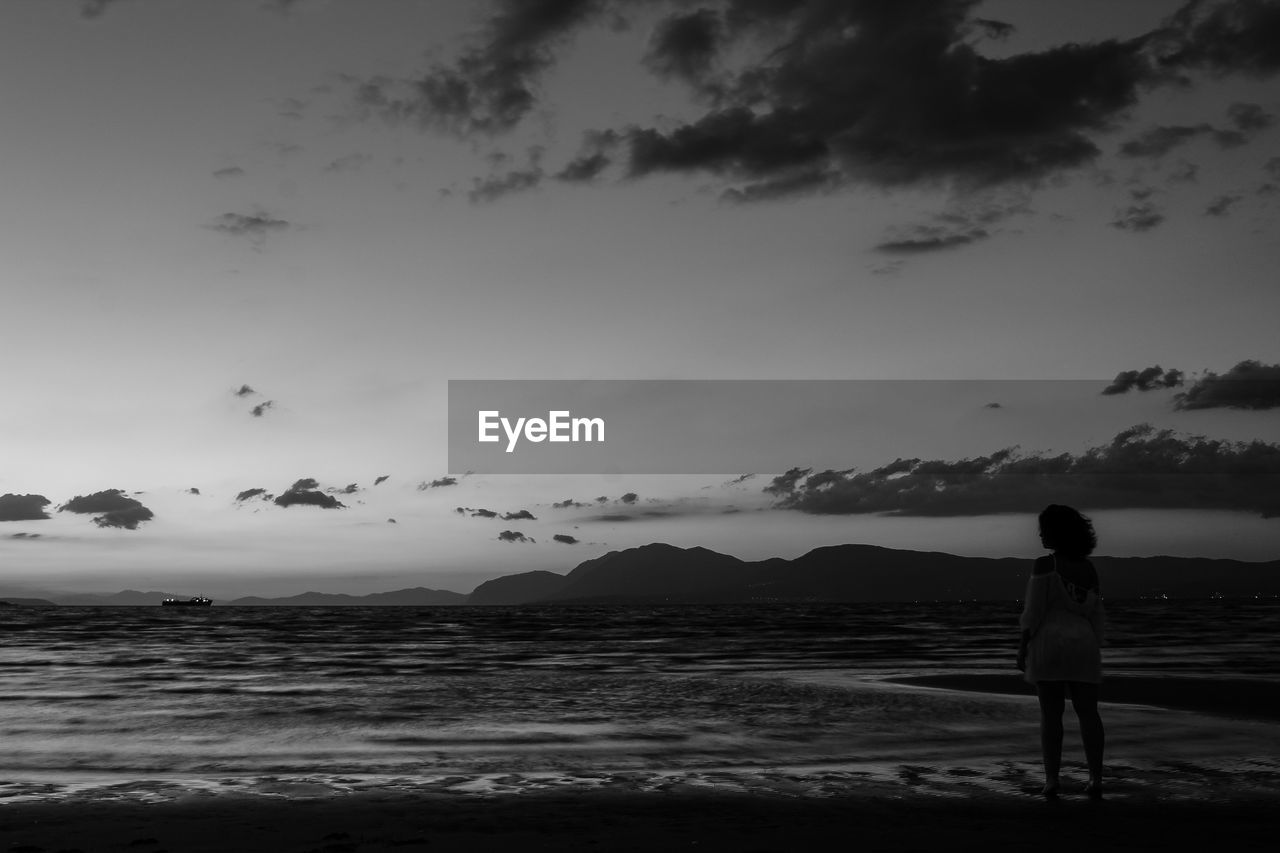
x=234, y=692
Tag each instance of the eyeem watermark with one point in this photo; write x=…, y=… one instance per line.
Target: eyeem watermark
x=559, y=426
x=736, y=426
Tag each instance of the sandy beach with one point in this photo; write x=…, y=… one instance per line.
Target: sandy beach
x=1174, y=777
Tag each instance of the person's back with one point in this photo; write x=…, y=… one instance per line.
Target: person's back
x=1061, y=651
x=1063, y=613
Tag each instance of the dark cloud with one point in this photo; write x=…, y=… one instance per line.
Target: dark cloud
x=1184, y=172
x=117, y=509
x=193, y=491
x=305, y=492
x=684, y=46
x=799, y=183
x=931, y=239
x=513, y=536
x=253, y=493
x=786, y=483
x=1249, y=118
x=616, y=517
x=891, y=94
x=567, y=503
x=1147, y=379
x=993, y=406
x=95, y=8
x=261, y=409
x=1159, y=141
x=23, y=507
x=602, y=499
x=1222, y=36
x=439, y=483
x=255, y=226
x=491, y=87
x=1249, y=385
x=802, y=97
x=566, y=539
x=380, y=479
x=629, y=498
x=584, y=168
x=1221, y=205
x=519, y=515
x=594, y=156
x=483, y=513
x=24, y=535
x=994, y=30
x=741, y=478
x=1142, y=216
x=349, y=489
x=244, y=391
x=1140, y=468
x=492, y=188
x=229, y=172
x=349, y=163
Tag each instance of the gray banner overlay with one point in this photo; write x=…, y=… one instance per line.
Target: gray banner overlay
x=738, y=426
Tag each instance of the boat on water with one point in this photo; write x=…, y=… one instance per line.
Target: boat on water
x=187, y=602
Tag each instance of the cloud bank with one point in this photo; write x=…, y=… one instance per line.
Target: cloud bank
x=23, y=507
x=1249, y=385
x=1142, y=467
x=802, y=97
x=117, y=510
x=1148, y=379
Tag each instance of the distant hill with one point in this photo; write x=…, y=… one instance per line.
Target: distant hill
x=125, y=598
x=517, y=589
x=26, y=602
x=665, y=574
x=416, y=597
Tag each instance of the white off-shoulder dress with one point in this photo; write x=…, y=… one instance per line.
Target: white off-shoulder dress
x=1066, y=625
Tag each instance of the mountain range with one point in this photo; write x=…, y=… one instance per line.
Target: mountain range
x=664, y=574
x=659, y=573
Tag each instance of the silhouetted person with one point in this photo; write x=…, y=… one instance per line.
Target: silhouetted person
x=1061, y=650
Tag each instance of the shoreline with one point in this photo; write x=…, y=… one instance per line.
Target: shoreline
x=1230, y=697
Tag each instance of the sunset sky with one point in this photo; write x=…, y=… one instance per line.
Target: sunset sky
x=248, y=242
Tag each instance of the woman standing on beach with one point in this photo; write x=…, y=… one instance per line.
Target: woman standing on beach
x=1062, y=638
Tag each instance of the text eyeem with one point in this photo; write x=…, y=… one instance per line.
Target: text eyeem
x=558, y=426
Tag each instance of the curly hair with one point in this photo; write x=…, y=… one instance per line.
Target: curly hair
x=1065, y=530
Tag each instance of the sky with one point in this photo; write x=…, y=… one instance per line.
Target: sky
x=246, y=244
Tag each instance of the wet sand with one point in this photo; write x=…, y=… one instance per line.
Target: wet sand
x=1231, y=697
x=867, y=816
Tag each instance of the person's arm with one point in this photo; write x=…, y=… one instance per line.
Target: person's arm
x=1034, y=600
x=1032, y=607
x=1098, y=620
x=1098, y=616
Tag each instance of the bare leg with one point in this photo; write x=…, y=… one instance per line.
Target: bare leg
x=1084, y=699
x=1053, y=702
